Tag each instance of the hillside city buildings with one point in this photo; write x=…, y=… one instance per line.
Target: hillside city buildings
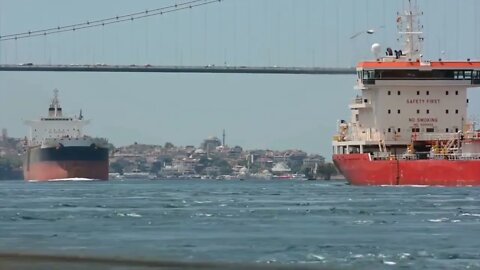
x=211, y=159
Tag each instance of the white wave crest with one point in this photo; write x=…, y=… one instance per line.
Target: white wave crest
x=135, y=215
x=64, y=180
x=470, y=215
x=438, y=220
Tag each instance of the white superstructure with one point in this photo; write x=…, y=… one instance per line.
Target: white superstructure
x=405, y=99
x=57, y=128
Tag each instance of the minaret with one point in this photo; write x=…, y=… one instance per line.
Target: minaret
x=4, y=135
x=223, y=138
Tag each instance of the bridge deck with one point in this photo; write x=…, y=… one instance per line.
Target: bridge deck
x=178, y=69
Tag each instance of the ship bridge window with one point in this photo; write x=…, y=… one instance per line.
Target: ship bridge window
x=368, y=77
x=418, y=93
x=428, y=93
x=458, y=75
x=446, y=93
x=368, y=74
x=456, y=111
x=430, y=130
x=468, y=74
x=446, y=111
x=424, y=75
x=415, y=129
x=476, y=74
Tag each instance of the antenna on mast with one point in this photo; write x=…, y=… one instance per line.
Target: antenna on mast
x=55, y=110
x=410, y=30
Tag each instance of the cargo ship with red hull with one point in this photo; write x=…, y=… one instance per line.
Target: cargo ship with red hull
x=57, y=149
x=409, y=123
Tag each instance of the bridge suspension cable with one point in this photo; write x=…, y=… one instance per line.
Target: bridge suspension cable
x=109, y=21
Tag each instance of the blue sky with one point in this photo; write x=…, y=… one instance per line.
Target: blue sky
x=257, y=111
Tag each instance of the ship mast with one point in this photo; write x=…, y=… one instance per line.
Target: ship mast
x=410, y=31
x=55, y=110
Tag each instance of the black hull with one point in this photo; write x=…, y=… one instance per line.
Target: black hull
x=85, y=153
x=66, y=162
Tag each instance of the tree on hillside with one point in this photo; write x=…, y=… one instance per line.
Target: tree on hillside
x=169, y=145
x=156, y=166
x=327, y=170
x=224, y=166
x=166, y=160
x=116, y=167
x=120, y=165
x=9, y=168
x=309, y=173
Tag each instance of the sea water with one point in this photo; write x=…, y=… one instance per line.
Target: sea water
x=294, y=223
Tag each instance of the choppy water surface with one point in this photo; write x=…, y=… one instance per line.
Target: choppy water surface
x=302, y=223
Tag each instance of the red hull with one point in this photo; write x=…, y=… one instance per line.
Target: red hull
x=358, y=169
x=48, y=170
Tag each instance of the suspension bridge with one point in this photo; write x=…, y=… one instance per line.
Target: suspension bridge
x=146, y=68
x=179, y=69
x=11, y=42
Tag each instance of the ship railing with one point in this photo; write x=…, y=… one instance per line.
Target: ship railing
x=467, y=156
x=426, y=156
x=54, y=141
x=472, y=135
x=436, y=136
x=447, y=136
x=388, y=156
x=100, y=140
x=367, y=137
x=381, y=156
x=358, y=100
x=365, y=134
x=457, y=156
x=444, y=156
x=62, y=137
x=408, y=157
